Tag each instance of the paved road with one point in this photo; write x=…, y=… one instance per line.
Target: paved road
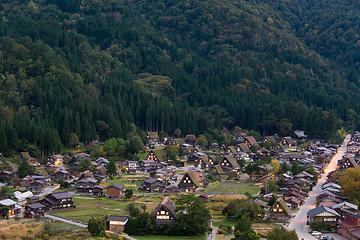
x=299, y=222
x=48, y=190
x=66, y=220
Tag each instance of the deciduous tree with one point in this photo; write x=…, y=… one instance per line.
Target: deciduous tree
x=193, y=215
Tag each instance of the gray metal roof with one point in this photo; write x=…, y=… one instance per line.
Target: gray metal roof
x=321, y=209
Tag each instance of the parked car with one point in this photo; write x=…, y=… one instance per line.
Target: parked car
x=316, y=233
x=325, y=237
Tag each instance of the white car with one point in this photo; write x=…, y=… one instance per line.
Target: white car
x=316, y=233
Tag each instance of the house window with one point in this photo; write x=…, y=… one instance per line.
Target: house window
x=280, y=210
x=274, y=210
x=162, y=212
x=329, y=219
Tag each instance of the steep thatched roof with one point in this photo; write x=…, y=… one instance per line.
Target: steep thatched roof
x=283, y=205
x=167, y=204
x=231, y=160
x=179, y=141
x=192, y=177
x=160, y=154
x=25, y=155
x=252, y=141
x=153, y=135
x=231, y=149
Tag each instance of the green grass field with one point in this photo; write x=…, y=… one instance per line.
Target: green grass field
x=224, y=222
x=87, y=207
x=234, y=187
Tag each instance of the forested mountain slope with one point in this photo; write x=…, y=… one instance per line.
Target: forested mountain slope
x=104, y=67
x=331, y=28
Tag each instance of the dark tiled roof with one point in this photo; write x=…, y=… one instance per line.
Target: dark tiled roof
x=150, y=180
x=118, y=186
x=36, y=205
x=117, y=218
x=61, y=195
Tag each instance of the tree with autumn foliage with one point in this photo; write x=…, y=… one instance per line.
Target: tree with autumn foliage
x=350, y=183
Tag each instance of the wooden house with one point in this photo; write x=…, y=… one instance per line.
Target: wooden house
x=322, y=213
x=231, y=150
x=290, y=194
x=98, y=191
x=164, y=213
x=251, y=142
x=228, y=163
x=262, y=203
x=24, y=156
x=216, y=171
x=279, y=210
x=117, y=223
x=171, y=189
x=304, y=174
x=152, y=136
x=294, y=202
x=6, y=175
x=58, y=175
x=214, y=146
x=158, y=155
x=190, y=139
x=153, y=185
x=26, y=181
x=85, y=186
x=242, y=147
x=34, y=209
x=102, y=162
x=345, y=208
x=189, y=182
x=58, y=200
x=288, y=142
x=177, y=142
x=37, y=186
x=270, y=139
x=101, y=173
x=14, y=209
x=203, y=162
x=115, y=191
x=145, y=163
x=346, y=227
x=348, y=162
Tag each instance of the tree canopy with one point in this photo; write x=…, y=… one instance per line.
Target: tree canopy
x=193, y=216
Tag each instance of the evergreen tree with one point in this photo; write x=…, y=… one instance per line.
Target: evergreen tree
x=24, y=168
x=3, y=139
x=111, y=168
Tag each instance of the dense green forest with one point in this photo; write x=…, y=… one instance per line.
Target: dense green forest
x=108, y=68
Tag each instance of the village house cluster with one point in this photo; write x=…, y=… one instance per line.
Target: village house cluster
x=201, y=166
x=333, y=208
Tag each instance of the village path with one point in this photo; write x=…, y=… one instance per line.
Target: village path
x=48, y=190
x=299, y=222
